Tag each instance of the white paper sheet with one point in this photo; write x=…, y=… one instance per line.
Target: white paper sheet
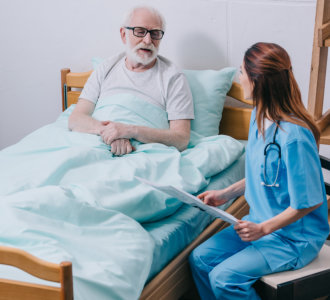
x=191, y=200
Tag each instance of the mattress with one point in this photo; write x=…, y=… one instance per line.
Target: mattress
x=173, y=234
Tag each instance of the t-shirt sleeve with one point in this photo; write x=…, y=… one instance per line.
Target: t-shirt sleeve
x=304, y=174
x=92, y=87
x=179, y=102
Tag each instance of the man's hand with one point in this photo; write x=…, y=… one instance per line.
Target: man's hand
x=113, y=131
x=121, y=147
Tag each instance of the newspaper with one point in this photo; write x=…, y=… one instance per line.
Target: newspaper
x=191, y=200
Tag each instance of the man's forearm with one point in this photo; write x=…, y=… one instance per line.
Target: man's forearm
x=84, y=123
x=178, y=139
x=177, y=135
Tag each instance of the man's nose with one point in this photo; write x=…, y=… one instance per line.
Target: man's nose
x=147, y=39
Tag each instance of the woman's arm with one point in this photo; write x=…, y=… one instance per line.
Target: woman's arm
x=249, y=231
x=219, y=197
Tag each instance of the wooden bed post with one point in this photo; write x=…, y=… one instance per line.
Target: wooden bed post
x=64, y=72
x=66, y=280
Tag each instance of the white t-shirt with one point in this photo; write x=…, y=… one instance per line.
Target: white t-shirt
x=162, y=85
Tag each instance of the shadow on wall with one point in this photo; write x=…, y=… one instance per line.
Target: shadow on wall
x=198, y=51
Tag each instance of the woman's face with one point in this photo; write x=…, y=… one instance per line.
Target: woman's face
x=245, y=83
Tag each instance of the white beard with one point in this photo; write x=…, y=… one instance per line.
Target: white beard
x=146, y=59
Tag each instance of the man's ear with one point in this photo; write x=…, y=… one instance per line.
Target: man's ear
x=123, y=34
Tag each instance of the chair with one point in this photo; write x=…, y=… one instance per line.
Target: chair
x=18, y=290
x=310, y=282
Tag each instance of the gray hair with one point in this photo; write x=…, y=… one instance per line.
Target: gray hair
x=155, y=12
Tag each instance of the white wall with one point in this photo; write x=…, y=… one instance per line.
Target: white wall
x=39, y=37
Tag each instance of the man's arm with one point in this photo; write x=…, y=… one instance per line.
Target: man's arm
x=177, y=135
x=80, y=119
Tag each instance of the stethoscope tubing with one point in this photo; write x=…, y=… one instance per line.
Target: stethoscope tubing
x=274, y=143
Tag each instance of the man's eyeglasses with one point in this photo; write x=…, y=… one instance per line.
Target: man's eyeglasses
x=155, y=34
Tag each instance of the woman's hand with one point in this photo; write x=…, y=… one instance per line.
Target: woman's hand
x=213, y=198
x=249, y=231
x=219, y=197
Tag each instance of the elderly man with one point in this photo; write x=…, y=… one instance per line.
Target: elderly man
x=143, y=72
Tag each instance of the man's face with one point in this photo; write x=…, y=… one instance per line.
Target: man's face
x=142, y=49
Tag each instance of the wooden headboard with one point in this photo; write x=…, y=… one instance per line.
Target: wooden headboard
x=235, y=118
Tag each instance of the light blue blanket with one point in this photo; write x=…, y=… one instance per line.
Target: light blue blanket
x=64, y=196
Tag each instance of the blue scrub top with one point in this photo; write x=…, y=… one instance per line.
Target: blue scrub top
x=301, y=185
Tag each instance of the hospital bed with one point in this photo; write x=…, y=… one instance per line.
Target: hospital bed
x=173, y=280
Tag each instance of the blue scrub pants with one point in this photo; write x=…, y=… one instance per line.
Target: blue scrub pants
x=225, y=267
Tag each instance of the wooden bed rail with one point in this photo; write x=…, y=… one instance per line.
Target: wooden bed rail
x=17, y=290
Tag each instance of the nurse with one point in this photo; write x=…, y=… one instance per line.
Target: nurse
x=288, y=219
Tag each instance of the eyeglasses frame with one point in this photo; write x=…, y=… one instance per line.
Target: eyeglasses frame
x=147, y=31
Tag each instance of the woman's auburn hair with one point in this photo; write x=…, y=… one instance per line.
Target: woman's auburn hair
x=275, y=91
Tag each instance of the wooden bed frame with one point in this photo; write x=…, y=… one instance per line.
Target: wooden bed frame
x=174, y=281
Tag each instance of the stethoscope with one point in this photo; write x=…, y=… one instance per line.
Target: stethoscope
x=273, y=143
